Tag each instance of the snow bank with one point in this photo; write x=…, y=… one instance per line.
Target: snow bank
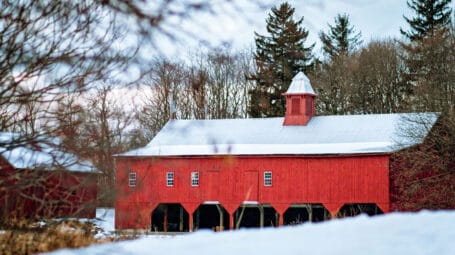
x=396, y=233
x=105, y=218
x=105, y=221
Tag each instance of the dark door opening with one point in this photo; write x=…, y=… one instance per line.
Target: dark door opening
x=301, y=213
x=350, y=210
x=249, y=216
x=208, y=217
x=169, y=218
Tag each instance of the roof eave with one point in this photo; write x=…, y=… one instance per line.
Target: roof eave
x=261, y=155
x=300, y=94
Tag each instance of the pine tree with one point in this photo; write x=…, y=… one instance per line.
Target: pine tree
x=431, y=16
x=341, y=39
x=429, y=55
x=279, y=56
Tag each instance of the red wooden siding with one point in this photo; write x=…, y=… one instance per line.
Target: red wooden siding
x=332, y=181
x=41, y=193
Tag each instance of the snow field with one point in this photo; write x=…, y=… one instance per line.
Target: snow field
x=396, y=233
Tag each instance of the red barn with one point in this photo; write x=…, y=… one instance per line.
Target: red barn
x=233, y=173
x=39, y=180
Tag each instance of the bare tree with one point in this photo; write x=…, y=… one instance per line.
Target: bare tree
x=424, y=175
x=227, y=83
x=50, y=47
x=161, y=93
x=380, y=86
x=370, y=80
x=217, y=81
x=196, y=85
x=95, y=127
x=212, y=85
x=334, y=83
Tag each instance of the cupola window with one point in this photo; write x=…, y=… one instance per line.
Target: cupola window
x=295, y=110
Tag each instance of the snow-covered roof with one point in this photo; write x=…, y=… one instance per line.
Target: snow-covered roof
x=300, y=85
x=338, y=134
x=44, y=154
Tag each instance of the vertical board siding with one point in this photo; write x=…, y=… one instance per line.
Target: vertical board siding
x=49, y=194
x=295, y=179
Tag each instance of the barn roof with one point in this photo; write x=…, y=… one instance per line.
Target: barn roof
x=340, y=134
x=300, y=85
x=44, y=154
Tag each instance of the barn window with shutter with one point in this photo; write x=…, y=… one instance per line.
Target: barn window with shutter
x=195, y=179
x=132, y=179
x=170, y=179
x=267, y=179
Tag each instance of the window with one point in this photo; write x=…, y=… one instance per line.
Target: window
x=267, y=179
x=295, y=110
x=170, y=179
x=309, y=107
x=195, y=179
x=132, y=179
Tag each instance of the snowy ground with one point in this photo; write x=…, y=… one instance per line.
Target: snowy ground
x=105, y=221
x=396, y=233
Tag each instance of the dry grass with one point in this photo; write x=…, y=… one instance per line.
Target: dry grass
x=34, y=237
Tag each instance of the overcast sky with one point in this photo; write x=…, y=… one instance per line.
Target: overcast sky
x=236, y=21
x=374, y=18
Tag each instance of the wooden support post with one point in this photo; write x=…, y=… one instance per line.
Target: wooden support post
x=333, y=209
x=281, y=220
x=261, y=216
x=190, y=222
x=231, y=221
x=237, y=224
x=181, y=219
x=220, y=211
x=165, y=219
x=310, y=212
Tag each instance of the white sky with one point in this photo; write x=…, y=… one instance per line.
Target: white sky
x=236, y=21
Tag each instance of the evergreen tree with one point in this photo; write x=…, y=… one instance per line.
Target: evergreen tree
x=279, y=56
x=341, y=39
x=431, y=16
x=429, y=55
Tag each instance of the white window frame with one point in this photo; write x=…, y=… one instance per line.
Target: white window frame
x=268, y=178
x=132, y=178
x=169, y=179
x=194, y=179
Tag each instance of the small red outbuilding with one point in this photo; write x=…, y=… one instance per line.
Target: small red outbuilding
x=232, y=173
x=39, y=180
